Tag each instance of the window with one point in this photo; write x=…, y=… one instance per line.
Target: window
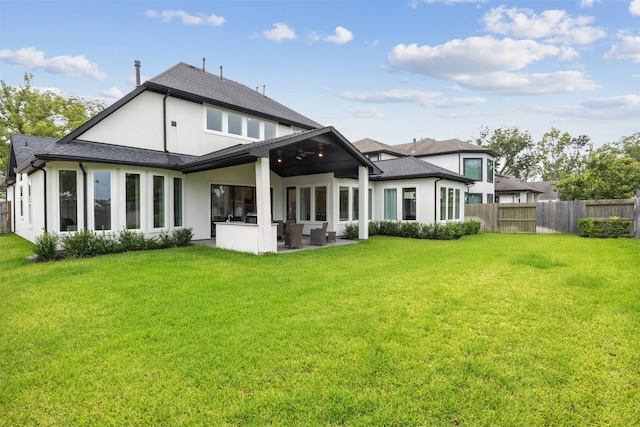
x=269, y=130
x=29, y=211
x=21, y=200
x=489, y=198
x=102, y=200
x=355, y=212
x=291, y=202
x=158, y=201
x=177, y=202
x=489, y=170
x=374, y=157
x=390, y=204
x=473, y=169
x=474, y=198
x=231, y=200
x=409, y=203
x=132, y=197
x=305, y=204
x=370, y=207
x=253, y=128
x=68, y=186
x=214, y=119
x=234, y=123
x=321, y=203
x=344, y=203
x=449, y=203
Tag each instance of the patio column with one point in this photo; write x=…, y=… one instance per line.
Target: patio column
x=363, y=202
x=263, y=202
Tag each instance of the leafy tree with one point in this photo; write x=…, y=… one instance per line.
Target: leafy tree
x=27, y=110
x=606, y=175
x=518, y=156
x=561, y=155
x=629, y=146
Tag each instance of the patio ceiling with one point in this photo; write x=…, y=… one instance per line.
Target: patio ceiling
x=306, y=153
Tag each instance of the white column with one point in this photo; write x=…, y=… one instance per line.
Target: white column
x=363, y=201
x=266, y=238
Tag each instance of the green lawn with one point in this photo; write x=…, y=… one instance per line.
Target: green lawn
x=517, y=330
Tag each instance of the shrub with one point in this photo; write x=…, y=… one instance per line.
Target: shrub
x=611, y=228
x=46, y=246
x=130, y=241
x=471, y=227
x=410, y=229
x=182, y=236
x=79, y=244
x=352, y=231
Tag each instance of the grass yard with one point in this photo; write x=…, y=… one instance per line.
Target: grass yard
x=517, y=330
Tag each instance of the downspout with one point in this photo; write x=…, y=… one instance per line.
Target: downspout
x=46, y=220
x=164, y=119
x=435, y=199
x=14, y=208
x=84, y=193
x=459, y=173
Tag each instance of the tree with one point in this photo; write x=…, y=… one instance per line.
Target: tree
x=629, y=146
x=606, y=175
x=561, y=155
x=517, y=152
x=27, y=110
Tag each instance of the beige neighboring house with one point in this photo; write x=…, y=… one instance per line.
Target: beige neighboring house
x=548, y=190
x=469, y=160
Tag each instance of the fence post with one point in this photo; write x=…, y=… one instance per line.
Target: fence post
x=637, y=221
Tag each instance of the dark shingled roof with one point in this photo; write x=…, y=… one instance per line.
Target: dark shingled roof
x=410, y=167
x=422, y=148
x=227, y=93
x=509, y=184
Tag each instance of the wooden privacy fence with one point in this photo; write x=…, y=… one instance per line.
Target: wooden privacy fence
x=5, y=216
x=551, y=217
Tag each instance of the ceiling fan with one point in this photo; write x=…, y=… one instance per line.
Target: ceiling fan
x=300, y=153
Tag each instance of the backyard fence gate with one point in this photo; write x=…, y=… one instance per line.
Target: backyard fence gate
x=551, y=217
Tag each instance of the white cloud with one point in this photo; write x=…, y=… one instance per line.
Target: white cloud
x=31, y=58
x=187, y=19
x=479, y=54
x=617, y=102
x=424, y=98
x=112, y=93
x=551, y=25
x=634, y=7
x=528, y=83
x=280, y=31
x=365, y=112
x=628, y=50
x=588, y=3
x=341, y=36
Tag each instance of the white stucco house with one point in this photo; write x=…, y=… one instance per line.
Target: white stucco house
x=189, y=148
x=472, y=161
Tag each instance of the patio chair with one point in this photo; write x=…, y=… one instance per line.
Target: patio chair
x=293, y=235
x=280, y=235
x=319, y=235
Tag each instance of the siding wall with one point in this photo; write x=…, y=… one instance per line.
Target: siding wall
x=545, y=217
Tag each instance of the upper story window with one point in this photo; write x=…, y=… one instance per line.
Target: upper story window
x=236, y=124
x=489, y=170
x=374, y=157
x=473, y=169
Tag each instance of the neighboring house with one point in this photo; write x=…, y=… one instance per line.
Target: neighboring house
x=510, y=189
x=547, y=190
x=192, y=149
x=472, y=161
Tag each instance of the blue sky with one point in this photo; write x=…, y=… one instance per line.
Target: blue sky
x=390, y=70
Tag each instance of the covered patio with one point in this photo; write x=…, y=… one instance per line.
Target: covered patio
x=312, y=152
x=282, y=249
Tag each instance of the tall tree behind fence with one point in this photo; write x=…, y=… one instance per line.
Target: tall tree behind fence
x=5, y=216
x=551, y=217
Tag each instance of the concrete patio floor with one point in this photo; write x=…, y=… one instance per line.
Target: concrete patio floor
x=306, y=245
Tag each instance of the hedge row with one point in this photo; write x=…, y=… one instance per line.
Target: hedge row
x=89, y=243
x=415, y=230
x=596, y=227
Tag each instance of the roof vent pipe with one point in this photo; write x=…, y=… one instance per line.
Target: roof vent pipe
x=264, y=90
x=221, y=78
x=136, y=63
x=203, y=61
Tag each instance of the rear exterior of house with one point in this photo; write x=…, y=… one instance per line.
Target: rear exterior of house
x=190, y=149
